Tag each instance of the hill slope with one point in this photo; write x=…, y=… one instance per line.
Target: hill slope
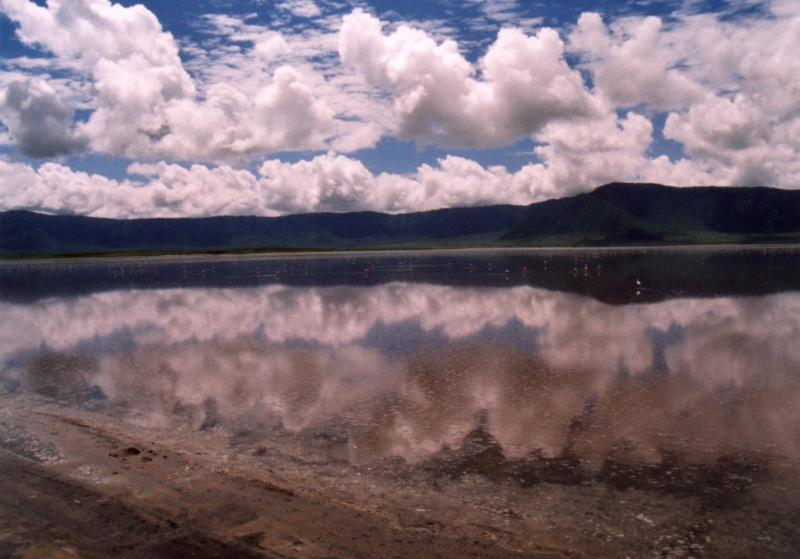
x=23, y=232
x=631, y=213
x=617, y=213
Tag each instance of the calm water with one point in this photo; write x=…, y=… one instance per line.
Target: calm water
x=669, y=370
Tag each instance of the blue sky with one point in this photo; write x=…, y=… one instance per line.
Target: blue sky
x=177, y=108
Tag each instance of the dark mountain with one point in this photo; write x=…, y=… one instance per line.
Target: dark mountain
x=23, y=232
x=582, y=218
x=631, y=213
x=616, y=213
x=757, y=210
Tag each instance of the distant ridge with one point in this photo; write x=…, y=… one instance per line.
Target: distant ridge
x=633, y=213
x=613, y=214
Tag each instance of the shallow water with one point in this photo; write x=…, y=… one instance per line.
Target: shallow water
x=672, y=371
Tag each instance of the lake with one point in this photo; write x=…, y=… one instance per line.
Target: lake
x=568, y=403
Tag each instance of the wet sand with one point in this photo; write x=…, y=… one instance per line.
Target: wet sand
x=82, y=484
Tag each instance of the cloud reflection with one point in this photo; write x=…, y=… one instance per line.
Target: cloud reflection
x=699, y=377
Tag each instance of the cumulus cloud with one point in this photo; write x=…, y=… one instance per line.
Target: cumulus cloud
x=330, y=183
x=733, y=139
x=721, y=129
x=270, y=45
x=731, y=86
x=727, y=89
x=631, y=65
x=284, y=115
x=147, y=106
x=311, y=50
x=58, y=189
x=134, y=64
x=575, y=157
x=439, y=96
x=746, y=129
x=38, y=120
x=579, y=155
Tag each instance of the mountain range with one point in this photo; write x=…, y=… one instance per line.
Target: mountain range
x=613, y=214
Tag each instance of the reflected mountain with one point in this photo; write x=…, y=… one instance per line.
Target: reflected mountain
x=617, y=276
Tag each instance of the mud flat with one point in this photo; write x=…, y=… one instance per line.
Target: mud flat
x=76, y=483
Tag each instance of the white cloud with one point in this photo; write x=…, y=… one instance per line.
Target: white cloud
x=38, y=121
x=93, y=30
x=329, y=183
x=575, y=157
x=56, y=188
x=632, y=65
x=683, y=172
x=497, y=13
x=732, y=86
x=244, y=90
x=438, y=97
x=735, y=139
x=362, y=114
x=301, y=8
x=147, y=106
x=282, y=116
x=579, y=156
x=325, y=183
x=270, y=46
x=747, y=130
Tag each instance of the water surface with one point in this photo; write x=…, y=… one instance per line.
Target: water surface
x=672, y=371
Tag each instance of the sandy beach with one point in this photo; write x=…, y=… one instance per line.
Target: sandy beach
x=82, y=484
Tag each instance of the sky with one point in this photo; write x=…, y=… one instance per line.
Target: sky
x=177, y=108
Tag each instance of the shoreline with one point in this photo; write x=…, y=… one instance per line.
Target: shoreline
x=86, y=484
x=312, y=253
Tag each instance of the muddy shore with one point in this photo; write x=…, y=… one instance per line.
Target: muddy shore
x=77, y=483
